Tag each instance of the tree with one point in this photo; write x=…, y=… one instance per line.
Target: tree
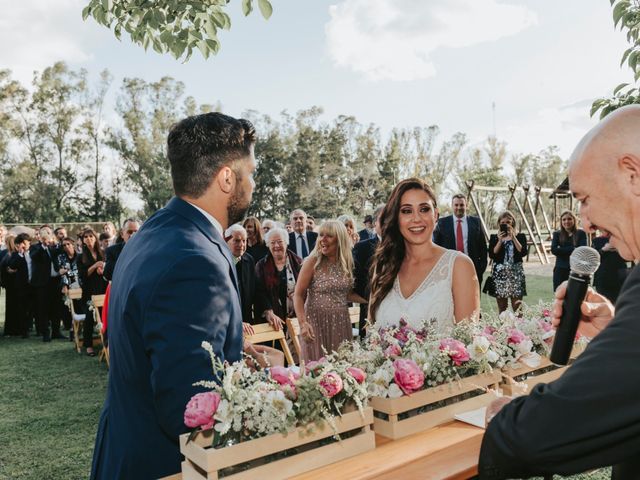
x=174, y=26
x=626, y=13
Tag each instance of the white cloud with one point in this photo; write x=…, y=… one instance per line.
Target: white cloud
x=36, y=33
x=394, y=39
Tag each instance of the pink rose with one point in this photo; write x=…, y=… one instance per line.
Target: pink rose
x=456, y=351
x=331, y=384
x=314, y=364
x=516, y=336
x=546, y=313
x=408, y=376
x=357, y=373
x=393, y=351
x=283, y=375
x=201, y=409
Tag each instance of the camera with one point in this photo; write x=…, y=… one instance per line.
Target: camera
x=504, y=228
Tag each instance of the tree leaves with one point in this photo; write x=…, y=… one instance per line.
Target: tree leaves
x=174, y=27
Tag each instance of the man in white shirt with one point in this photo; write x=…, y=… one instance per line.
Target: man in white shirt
x=301, y=241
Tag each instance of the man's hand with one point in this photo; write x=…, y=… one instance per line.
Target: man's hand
x=494, y=407
x=596, y=310
x=274, y=320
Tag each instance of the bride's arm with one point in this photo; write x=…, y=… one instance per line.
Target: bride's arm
x=465, y=290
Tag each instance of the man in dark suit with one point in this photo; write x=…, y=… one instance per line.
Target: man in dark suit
x=589, y=417
x=175, y=286
x=362, y=255
x=45, y=281
x=301, y=242
x=463, y=232
x=236, y=237
x=368, y=231
x=129, y=228
x=19, y=266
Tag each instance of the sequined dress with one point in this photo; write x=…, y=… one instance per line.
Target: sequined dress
x=327, y=311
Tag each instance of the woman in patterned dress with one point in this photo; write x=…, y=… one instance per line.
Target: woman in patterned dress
x=507, y=250
x=326, y=281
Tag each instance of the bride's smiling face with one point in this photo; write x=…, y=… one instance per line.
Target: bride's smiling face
x=417, y=216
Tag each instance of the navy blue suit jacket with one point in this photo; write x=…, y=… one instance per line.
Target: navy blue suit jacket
x=444, y=236
x=311, y=242
x=173, y=287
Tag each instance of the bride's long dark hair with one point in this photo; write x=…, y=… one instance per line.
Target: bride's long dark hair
x=390, y=252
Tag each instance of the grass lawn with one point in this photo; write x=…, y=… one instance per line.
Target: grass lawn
x=51, y=398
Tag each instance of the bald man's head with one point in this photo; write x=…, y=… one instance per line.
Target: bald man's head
x=604, y=175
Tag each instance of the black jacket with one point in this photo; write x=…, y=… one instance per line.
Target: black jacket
x=588, y=418
x=42, y=260
x=111, y=255
x=563, y=250
x=444, y=235
x=517, y=255
x=249, y=295
x=362, y=256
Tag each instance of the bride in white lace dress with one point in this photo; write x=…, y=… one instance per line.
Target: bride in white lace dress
x=413, y=278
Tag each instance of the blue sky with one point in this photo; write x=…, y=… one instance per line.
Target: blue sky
x=396, y=63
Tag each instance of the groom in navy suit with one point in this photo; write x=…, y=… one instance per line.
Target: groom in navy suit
x=463, y=232
x=175, y=286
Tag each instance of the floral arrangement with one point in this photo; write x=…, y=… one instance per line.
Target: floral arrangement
x=249, y=404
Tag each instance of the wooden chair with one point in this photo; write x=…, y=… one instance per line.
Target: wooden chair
x=354, y=315
x=264, y=332
x=76, y=318
x=98, y=302
x=293, y=327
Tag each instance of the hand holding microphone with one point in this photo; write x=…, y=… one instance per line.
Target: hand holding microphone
x=576, y=304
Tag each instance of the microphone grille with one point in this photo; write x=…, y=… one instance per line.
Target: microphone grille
x=584, y=260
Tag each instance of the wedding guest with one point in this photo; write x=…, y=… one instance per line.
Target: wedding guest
x=67, y=264
x=507, y=249
x=276, y=276
x=266, y=226
x=613, y=269
x=19, y=265
x=110, y=229
x=129, y=228
x=326, y=282
x=368, y=231
x=288, y=228
x=174, y=287
x=563, y=243
x=301, y=242
x=363, y=254
x=236, y=237
x=13, y=322
x=311, y=224
x=350, y=225
x=105, y=241
x=3, y=235
x=60, y=234
x=413, y=278
x=90, y=269
x=255, y=242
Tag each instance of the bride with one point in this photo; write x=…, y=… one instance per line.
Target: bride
x=413, y=278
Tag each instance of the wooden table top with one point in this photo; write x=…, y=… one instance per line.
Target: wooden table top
x=449, y=451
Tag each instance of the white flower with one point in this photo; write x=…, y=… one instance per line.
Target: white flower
x=394, y=391
x=223, y=417
x=524, y=347
x=507, y=316
x=278, y=401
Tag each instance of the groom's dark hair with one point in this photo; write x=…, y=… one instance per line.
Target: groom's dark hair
x=199, y=146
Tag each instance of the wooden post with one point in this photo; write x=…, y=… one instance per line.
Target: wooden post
x=513, y=189
x=527, y=203
x=544, y=213
x=470, y=185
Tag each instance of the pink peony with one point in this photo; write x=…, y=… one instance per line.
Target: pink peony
x=314, y=364
x=357, y=373
x=516, y=336
x=331, y=384
x=393, y=351
x=456, y=351
x=546, y=313
x=201, y=409
x=408, y=376
x=283, y=375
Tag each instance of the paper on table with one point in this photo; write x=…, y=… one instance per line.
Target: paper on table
x=473, y=417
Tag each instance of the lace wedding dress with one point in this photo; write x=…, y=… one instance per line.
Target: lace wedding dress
x=432, y=302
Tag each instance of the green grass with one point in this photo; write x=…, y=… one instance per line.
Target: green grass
x=539, y=287
x=51, y=398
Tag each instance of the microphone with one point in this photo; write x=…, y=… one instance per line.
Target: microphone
x=584, y=261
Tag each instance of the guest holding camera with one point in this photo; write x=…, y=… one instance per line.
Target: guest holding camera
x=563, y=244
x=507, y=250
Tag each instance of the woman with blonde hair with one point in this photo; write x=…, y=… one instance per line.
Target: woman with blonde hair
x=350, y=225
x=326, y=281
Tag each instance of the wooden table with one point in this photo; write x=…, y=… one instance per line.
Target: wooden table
x=449, y=451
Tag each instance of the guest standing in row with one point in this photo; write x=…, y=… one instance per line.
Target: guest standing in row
x=19, y=266
x=563, y=244
x=67, y=264
x=91, y=269
x=255, y=242
x=326, y=281
x=301, y=241
x=507, y=249
x=12, y=321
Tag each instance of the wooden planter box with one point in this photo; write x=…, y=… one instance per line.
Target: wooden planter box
x=399, y=417
x=520, y=381
x=298, y=451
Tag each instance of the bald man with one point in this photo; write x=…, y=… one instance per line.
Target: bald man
x=590, y=417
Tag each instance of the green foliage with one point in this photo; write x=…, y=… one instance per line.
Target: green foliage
x=174, y=26
x=626, y=15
